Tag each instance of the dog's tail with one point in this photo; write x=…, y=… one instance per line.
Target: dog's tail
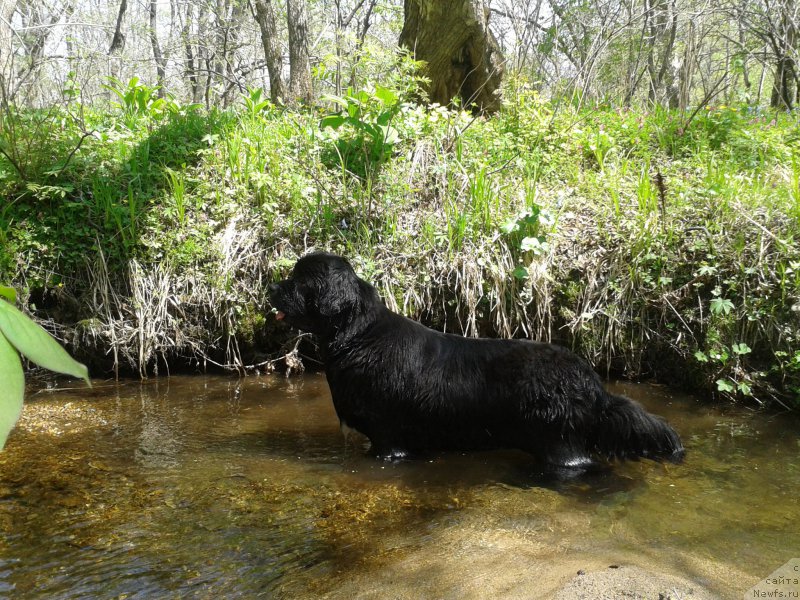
x=627, y=431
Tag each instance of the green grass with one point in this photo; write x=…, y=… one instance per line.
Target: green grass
x=541, y=221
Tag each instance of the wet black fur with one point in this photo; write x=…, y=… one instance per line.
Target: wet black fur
x=411, y=389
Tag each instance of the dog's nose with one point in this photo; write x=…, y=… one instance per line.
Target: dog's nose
x=273, y=288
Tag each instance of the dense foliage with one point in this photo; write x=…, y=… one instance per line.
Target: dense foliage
x=654, y=243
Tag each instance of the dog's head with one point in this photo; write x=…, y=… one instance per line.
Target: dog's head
x=324, y=296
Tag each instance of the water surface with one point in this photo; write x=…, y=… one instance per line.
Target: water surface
x=210, y=487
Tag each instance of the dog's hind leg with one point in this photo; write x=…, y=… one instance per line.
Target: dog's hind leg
x=569, y=458
x=557, y=452
x=625, y=430
x=563, y=455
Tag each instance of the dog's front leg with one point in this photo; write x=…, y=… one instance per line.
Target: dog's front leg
x=383, y=446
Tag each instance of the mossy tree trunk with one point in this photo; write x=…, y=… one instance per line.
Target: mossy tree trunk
x=463, y=57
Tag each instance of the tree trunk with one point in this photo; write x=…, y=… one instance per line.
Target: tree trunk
x=161, y=64
x=191, y=67
x=662, y=17
x=117, y=42
x=785, y=42
x=234, y=26
x=299, y=64
x=219, y=56
x=69, y=41
x=35, y=39
x=744, y=52
x=338, y=34
x=7, y=8
x=782, y=94
x=686, y=72
x=761, y=78
x=203, y=54
x=463, y=57
x=265, y=16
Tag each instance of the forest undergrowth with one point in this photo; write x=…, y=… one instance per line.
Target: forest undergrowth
x=654, y=243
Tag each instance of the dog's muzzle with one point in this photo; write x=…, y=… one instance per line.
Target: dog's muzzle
x=274, y=288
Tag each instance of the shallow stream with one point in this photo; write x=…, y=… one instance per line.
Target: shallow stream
x=212, y=487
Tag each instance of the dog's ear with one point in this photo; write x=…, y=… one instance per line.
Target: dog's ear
x=341, y=295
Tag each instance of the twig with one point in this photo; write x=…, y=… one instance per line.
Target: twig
x=13, y=163
x=713, y=92
x=74, y=150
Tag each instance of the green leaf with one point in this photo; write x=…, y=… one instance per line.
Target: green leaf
x=385, y=117
x=353, y=110
x=707, y=270
x=390, y=136
x=724, y=386
x=509, y=226
x=334, y=121
x=38, y=345
x=336, y=100
x=721, y=306
x=119, y=94
x=744, y=388
x=13, y=388
x=8, y=293
x=537, y=245
x=385, y=95
x=520, y=272
x=741, y=349
x=530, y=217
x=368, y=128
x=701, y=356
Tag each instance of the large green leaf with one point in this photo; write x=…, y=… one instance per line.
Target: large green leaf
x=336, y=99
x=385, y=95
x=334, y=121
x=36, y=344
x=385, y=117
x=13, y=388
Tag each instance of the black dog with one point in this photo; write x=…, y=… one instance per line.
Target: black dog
x=411, y=389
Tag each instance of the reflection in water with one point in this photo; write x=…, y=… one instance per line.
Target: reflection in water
x=216, y=487
x=159, y=443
